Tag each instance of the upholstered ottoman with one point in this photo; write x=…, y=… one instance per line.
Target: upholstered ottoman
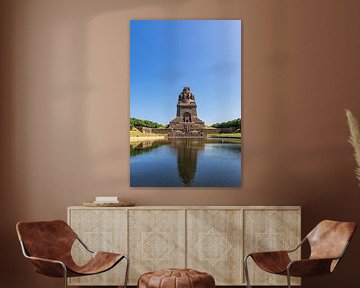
x=176, y=278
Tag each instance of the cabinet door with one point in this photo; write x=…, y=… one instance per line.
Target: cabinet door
x=214, y=244
x=100, y=230
x=156, y=240
x=271, y=230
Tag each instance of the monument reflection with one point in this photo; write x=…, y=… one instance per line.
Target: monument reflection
x=189, y=162
x=187, y=153
x=186, y=149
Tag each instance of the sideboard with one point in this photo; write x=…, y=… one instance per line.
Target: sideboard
x=213, y=239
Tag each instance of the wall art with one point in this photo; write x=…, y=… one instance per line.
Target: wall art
x=185, y=103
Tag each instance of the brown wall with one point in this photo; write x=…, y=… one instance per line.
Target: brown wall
x=65, y=112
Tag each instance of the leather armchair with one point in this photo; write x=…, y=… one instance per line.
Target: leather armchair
x=328, y=242
x=48, y=245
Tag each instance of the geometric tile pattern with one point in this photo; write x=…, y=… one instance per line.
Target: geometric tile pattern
x=155, y=246
x=101, y=230
x=214, y=243
x=156, y=240
x=98, y=240
x=213, y=246
x=269, y=240
x=270, y=230
x=211, y=239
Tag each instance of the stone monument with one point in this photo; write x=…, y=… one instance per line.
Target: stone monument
x=186, y=123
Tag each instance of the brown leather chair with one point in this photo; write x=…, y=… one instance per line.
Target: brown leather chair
x=328, y=242
x=48, y=245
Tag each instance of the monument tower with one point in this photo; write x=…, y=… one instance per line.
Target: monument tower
x=186, y=123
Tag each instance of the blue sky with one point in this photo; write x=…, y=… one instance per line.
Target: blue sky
x=167, y=55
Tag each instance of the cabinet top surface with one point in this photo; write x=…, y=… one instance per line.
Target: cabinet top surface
x=193, y=207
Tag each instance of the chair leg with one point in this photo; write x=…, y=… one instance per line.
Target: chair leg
x=65, y=276
x=127, y=271
x=246, y=270
x=288, y=278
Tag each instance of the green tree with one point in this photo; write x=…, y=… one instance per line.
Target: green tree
x=236, y=123
x=143, y=123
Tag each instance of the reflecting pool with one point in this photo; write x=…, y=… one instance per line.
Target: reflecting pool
x=185, y=162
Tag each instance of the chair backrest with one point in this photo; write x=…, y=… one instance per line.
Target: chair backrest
x=329, y=239
x=46, y=239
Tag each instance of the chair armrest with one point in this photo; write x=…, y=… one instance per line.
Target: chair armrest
x=280, y=251
x=309, y=267
x=45, y=260
x=271, y=261
x=269, y=252
x=298, y=246
x=83, y=244
x=48, y=267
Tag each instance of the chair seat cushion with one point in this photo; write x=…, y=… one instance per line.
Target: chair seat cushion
x=176, y=278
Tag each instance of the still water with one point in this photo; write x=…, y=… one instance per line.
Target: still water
x=185, y=163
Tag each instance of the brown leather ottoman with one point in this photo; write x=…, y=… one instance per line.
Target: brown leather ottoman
x=176, y=278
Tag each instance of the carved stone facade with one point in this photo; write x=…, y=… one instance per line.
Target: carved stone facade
x=186, y=123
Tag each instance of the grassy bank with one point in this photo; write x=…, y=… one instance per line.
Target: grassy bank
x=136, y=136
x=225, y=135
x=140, y=134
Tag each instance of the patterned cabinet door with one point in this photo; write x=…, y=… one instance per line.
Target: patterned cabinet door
x=101, y=230
x=270, y=230
x=214, y=244
x=156, y=240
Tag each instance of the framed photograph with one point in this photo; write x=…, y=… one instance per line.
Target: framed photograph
x=185, y=103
